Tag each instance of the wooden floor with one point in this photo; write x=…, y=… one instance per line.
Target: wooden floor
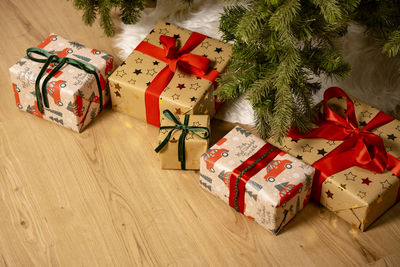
x=99, y=198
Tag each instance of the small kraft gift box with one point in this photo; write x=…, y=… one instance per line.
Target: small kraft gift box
x=182, y=140
x=62, y=81
x=256, y=178
x=355, y=150
x=172, y=68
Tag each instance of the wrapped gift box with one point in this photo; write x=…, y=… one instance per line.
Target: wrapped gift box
x=195, y=142
x=159, y=75
x=356, y=194
x=73, y=94
x=256, y=178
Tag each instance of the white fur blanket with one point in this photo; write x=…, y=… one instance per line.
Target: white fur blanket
x=375, y=79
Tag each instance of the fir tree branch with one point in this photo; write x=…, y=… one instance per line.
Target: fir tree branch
x=229, y=21
x=330, y=10
x=130, y=11
x=284, y=15
x=89, y=10
x=392, y=46
x=105, y=17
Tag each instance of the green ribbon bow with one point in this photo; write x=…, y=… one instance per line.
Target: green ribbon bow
x=185, y=130
x=50, y=58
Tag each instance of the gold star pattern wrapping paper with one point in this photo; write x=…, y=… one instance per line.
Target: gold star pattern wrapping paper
x=185, y=93
x=72, y=93
x=357, y=195
x=273, y=195
x=194, y=145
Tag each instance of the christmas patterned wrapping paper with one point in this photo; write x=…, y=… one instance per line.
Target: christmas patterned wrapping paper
x=278, y=188
x=194, y=145
x=357, y=195
x=73, y=94
x=185, y=93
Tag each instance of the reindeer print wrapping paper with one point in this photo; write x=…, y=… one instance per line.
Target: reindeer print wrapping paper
x=273, y=195
x=357, y=195
x=72, y=93
x=185, y=93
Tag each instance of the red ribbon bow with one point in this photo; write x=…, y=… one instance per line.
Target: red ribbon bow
x=175, y=58
x=360, y=147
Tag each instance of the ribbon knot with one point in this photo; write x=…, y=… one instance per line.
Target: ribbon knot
x=58, y=63
x=185, y=130
x=360, y=147
x=182, y=59
x=172, y=64
x=357, y=131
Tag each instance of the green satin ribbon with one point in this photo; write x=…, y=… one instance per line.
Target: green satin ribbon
x=185, y=130
x=60, y=62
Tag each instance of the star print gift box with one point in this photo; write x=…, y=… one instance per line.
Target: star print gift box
x=356, y=150
x=256, y=178
x=172, y=68
x=62, y=81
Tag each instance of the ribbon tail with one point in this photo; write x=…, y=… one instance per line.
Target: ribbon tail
x=47, y=79
x=379, y=120
x=164, y=142
x=42, y=95
x=393, y=165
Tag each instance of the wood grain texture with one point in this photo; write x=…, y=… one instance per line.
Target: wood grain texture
x=99, y=198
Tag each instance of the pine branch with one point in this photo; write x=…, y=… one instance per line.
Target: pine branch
x=250, y=26
x=280, y=20
x=105, y=17
x=278, y=44
x=89, y=8
x=130, y=11
x=392, y=46
x=330, y=10
x=229, y=21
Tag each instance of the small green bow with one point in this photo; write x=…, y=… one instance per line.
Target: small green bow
x=185, y=130
x=50, y=58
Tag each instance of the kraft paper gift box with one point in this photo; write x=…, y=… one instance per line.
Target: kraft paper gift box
x=358, y=195
x=73, y=92
x=173, y=68
x=195, y=140
x=256, y=178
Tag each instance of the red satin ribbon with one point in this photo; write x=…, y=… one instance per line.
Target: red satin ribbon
x=360, y=147
x=175, y=58
x=247, y=175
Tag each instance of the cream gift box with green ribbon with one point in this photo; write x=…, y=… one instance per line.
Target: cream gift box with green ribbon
x=182, y=140
x=62, y=81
